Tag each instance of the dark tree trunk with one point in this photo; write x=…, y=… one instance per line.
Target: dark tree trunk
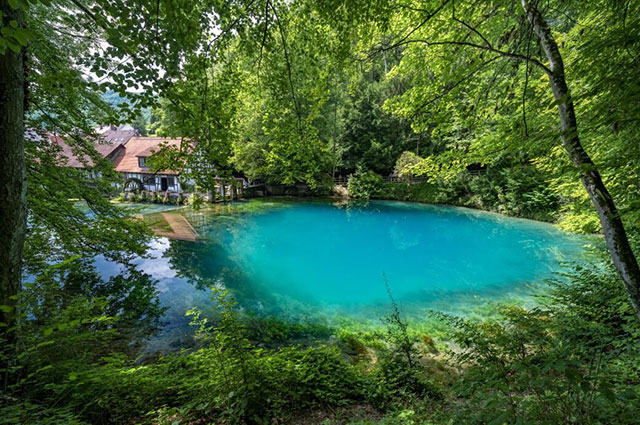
x=13, y=189
x=612, y=226
x=234, y=190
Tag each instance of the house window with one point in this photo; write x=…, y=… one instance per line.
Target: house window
x=142, y=162
x=170, y=181
x=150, y=180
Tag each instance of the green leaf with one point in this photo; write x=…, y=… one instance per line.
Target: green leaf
x=500, y=419
x=14, y=47
x=21, y=35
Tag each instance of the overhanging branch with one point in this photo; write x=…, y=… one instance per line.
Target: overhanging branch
x=481, y=47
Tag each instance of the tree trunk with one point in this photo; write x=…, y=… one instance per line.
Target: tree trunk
x=612, y=226
x=232, y=190
x=13, y=188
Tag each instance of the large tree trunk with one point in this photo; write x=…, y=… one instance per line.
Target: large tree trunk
x=13, y=189
x=612, y=226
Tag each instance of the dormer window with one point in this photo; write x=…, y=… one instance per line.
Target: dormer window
x=142, y=162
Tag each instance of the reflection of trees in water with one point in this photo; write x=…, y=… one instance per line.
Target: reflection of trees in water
x=210, y=263
x=76, y=287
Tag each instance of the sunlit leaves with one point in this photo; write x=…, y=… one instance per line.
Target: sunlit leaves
x=469, y=90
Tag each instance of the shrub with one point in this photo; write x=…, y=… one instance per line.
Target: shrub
x=527, y=194
x=226, y=380
x=24, y=412
x=574, y=361
x=405, y=163
x=365, y=185
x=398, y=371
x=185, y=185
x=394, y=378
x=196, y=201
x=521, y=191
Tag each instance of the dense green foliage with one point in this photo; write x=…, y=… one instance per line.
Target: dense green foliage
x=365, y=185
x=561, y=363
x=451, y=99
x=573, y=359
x=300, y=123
x=520, y=191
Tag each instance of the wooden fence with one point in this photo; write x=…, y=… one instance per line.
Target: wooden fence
x=344, y=181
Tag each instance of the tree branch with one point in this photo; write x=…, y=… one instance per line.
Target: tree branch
x=474, y=30
x=456, y=84
x=286, y=57
x=406, y=36
x=481, y=47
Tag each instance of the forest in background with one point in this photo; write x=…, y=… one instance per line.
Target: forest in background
x=300, y=92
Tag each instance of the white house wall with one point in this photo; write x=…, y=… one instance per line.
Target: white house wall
x=155, y=186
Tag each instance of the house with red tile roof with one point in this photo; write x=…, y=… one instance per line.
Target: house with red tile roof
x=117, y=134
x=133, y=164
x=109, y=143
x=72, y=157
x=129, y=153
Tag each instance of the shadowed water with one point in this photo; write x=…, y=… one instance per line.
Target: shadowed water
x=294, y=259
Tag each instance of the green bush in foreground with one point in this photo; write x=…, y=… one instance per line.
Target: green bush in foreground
x=229, y=378
x=573, y=360
x=25, y=412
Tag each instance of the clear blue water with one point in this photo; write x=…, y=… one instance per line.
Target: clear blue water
x=131, y=207
x=294, y=259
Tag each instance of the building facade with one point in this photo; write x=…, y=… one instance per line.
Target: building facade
x=133, y=164
x=129, y=154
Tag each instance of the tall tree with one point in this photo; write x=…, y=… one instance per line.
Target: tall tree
x=58, y=43
x=13, y=185
x=477, y=70
x=614, y=232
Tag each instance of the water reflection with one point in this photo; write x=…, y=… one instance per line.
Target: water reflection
x=294, y=260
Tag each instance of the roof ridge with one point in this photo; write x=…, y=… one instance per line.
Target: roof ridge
x=157, y=137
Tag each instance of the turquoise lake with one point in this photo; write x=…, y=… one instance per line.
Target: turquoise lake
x=324, y=260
